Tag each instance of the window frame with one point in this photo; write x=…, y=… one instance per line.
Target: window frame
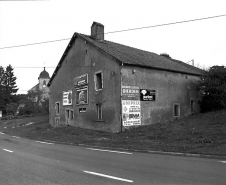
x=57, y=121
x=71, y=114
x=192, y=106
x=99, y=109
x=95, y=80
x=57, y=112
x=178, y=110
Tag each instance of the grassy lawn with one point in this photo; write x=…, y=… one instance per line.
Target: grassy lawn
x=201, y=134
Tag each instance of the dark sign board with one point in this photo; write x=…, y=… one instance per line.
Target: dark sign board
x=81, y=80
x=81, y=96
x=82, y=110
x=147, y=95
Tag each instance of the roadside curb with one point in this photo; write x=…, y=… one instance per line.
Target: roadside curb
x=133, y=150
x=144, y=151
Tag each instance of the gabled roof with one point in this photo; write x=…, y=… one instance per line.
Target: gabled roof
x=132, y=56
x=34, y=88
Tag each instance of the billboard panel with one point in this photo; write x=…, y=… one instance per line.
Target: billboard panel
x=67, y=98
x=81, y=96
x=131, y=113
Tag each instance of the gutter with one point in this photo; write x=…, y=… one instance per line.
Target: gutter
x=158, y=68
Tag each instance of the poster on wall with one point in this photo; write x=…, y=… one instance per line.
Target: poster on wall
x=147, y=95
x=82, y=110
x=81, y=96
x=81, y=80
x=67, y=98
x=130, y=93
x=131, y=112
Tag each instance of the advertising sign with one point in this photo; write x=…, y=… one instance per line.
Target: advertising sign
x=82, y=110
x=67, y=98
x=131, y=114
x=81, y=80
x=130, y=93
x=81, y=96
x=147, y=95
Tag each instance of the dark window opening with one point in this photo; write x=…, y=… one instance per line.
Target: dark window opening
x=176, y=110
x=72, y=114
x=57, y=108
x=67, y=116
x=98, y=81
x=99, y=111
x=192, y=106
x=67, y=113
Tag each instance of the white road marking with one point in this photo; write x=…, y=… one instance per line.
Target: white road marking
x=109, y=151
x=7, y=150
x=108, y=176
x=16, y=137
x=222, y=161
x=44, y=142
x=2, y=133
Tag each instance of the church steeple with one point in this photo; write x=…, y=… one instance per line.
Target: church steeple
x=44, y=74
x=43, y=79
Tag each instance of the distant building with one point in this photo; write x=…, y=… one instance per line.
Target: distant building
x=42, y=85
x=103, y=85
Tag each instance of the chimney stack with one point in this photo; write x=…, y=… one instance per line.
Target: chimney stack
x=97, y=31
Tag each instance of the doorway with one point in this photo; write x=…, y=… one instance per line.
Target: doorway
x=67, y=116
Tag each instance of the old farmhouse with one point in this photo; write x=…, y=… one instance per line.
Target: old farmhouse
x=107, y=86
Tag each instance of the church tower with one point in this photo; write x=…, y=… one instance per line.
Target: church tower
x=43, y=79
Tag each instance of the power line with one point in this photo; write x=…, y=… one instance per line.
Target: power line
x=46, y=67
x=31, y=67
x=167, y=24
x=34, y=43
x=132, y=29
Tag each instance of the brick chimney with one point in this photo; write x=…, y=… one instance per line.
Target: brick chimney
x=97, y=31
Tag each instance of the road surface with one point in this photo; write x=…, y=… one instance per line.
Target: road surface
x=30, y=162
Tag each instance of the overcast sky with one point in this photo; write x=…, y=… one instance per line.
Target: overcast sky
x=27, y=22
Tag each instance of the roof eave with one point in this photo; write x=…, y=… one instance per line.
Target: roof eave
x=61, y=60
x=67, y=48
x=162, y=69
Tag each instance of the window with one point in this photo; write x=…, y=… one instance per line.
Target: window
x=99, y=111
x=176, y=110
x=57, y=107
x=44, y=83
x=57, y=121
x=192, y=106
x=67, y=116
x=71, y=114
x=98, y=80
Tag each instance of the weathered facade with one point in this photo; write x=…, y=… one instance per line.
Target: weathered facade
x=106, y=86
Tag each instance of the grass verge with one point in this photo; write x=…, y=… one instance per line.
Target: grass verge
x=201, y=134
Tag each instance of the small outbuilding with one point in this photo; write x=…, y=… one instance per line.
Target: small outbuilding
x=106, y=86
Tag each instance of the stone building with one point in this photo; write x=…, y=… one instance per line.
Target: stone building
x=103, y=85
x=43, y=80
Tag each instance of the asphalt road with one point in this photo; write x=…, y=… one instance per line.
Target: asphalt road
x=29, y=162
